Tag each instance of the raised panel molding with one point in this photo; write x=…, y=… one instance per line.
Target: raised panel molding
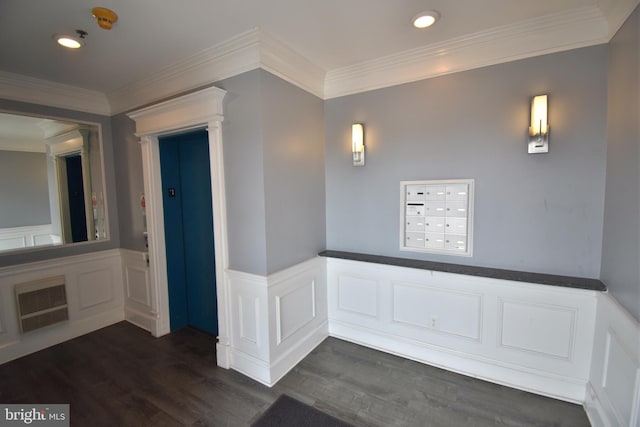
x=613, y=392
x=481, y=327
x=137, y=284
x=617, y=384
x=537, y=328
x=277, y=319
x=95, y=296
x=455, y=313
x=140, y=295
x=294, y=310
x=358, y=295
x=95, y=288
x=249, y=316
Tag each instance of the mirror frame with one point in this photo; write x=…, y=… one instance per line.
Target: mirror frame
x=107, y=187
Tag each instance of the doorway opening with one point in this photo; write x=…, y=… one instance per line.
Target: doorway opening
x=188, y=229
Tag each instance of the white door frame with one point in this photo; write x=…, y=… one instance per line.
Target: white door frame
x=202, y=109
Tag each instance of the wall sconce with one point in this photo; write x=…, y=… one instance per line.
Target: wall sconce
x=357, y=141
x=539, y=129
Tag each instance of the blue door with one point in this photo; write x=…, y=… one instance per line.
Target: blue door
x=188, y=227
x=75, y=187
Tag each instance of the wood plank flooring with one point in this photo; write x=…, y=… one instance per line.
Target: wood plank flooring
x=122, y=376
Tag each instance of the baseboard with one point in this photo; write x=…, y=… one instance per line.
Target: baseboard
x=542, y=383
x=58, y=333
x=296, y=353
x=270, y=373
x=141, y=320
x=250, y=366
x=593, y=408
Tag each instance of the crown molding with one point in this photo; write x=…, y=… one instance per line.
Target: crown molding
x=577, y=28
x=258, y=49
x=281, y=60
x=21, y=88
x=232, y=57
x=617, y=12
x=248, y=51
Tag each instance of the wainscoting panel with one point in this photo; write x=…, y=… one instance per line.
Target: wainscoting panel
x=140, y=301
x=533, y=337
x=536, y=328
x=294, y=310
x=248, y=318
x=454, y=313
x=358, y=295
x=95, y=288
x=94, y=291
x=26, y=237
x=613, y=392
x=277, y=320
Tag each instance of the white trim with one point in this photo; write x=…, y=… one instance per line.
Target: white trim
x=197, y=110
x=260, y=309
x=576, y=28
x=94, y=288
x=21, y=88
x=613, y=392
x=256, y=48
x=247, y=51
x=532, y=380
x=442, y=324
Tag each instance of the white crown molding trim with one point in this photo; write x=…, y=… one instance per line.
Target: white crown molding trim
x=617, y=13
x=286, y=63
x=16, y=87
x=577, y=28
x=248, y=51
x=232, y=57
x=256, y=48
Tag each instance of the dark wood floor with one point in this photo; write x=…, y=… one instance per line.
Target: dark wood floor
x=122, y=376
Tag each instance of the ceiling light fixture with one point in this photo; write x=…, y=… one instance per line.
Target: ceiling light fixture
x=425, y=19
x=105, y=17
x=71, y=42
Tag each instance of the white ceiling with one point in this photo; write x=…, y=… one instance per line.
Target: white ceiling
x=333, y=39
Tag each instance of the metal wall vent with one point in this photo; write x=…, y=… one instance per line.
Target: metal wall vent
x=41, y=303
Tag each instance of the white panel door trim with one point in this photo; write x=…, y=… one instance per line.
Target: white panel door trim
x=201, y=109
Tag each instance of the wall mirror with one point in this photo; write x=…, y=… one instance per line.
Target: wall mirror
x=52, y=187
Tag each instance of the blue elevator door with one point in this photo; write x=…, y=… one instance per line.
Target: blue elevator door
x=188, y=223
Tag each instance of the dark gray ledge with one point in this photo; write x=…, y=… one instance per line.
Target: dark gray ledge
x=494, y=273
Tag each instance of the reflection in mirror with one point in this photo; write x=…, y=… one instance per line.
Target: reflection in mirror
x=51, y=182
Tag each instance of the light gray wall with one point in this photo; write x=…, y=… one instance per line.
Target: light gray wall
x=129, y=182
x=244, y=172
x=7, y=259
x=540, y=213
x=274, y=174
x=24, y=189
x=620, y=249
x=244, y=175
x=292, y=123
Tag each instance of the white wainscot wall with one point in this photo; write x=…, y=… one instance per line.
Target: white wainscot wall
x=140, y=297
x=532, y=337
x=276, y=320
x=94, y=296
x=27, y=237
x=613, y=392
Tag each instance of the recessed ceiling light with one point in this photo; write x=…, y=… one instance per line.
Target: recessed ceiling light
x=71, y=42
x=425, y=19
